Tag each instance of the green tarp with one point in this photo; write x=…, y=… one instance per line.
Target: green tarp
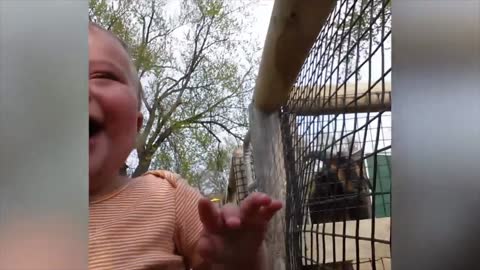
x=383, y=184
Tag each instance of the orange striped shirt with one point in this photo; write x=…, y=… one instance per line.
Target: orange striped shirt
x=152, y=223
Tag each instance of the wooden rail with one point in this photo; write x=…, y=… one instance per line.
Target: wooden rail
x=330, y=100
x=293, y=28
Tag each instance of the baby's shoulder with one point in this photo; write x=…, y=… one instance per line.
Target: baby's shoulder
x=154, y=187
x=162, y=183
x=163, y=177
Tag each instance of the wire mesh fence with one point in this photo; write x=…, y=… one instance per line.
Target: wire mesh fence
x=336, y=129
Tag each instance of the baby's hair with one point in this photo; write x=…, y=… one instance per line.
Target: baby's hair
x=127, y=49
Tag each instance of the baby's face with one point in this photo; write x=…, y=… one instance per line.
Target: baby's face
x=113, y=113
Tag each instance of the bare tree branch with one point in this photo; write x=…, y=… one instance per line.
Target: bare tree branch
x=225, y=128
x=210, y=131
x=145, y=101
x=149, y=27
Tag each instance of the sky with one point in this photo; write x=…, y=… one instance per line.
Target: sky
x=262, y=15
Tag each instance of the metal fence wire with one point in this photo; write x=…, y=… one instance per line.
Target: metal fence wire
x=336, y=130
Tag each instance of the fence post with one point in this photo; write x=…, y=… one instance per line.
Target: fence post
x=270, y=174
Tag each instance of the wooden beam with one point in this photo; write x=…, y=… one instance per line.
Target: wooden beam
x=327, y=100
x=294, y=27
x=270, y=175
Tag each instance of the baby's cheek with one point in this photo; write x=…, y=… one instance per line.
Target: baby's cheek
x=122, y=121
x=123, y=105
x=119, y=106
x=122, y=134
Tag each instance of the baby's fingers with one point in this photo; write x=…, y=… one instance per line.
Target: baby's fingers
x=231, y=216
x=267, y=212
x=251, y=205
x=210, y=216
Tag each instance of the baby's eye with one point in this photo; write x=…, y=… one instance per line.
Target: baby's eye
x=104, y=75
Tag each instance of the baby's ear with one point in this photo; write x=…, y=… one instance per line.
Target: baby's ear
x=139, y=121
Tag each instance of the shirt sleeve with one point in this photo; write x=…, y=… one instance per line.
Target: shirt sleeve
x=188, y=227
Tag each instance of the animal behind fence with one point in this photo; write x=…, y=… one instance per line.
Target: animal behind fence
x=339, y=191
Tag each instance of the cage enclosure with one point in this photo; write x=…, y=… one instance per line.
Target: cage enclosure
x=336, y=130
x=324, y=143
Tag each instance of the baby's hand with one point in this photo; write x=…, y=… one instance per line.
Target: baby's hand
x=234, y=235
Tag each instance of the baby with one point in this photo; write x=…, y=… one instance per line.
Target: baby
x=155, y=221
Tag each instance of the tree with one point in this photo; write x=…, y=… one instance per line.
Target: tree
x=197, y=71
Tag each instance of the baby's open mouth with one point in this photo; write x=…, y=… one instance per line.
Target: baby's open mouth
x=94, y=127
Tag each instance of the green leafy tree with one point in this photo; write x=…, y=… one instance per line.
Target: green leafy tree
x=197, y=67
